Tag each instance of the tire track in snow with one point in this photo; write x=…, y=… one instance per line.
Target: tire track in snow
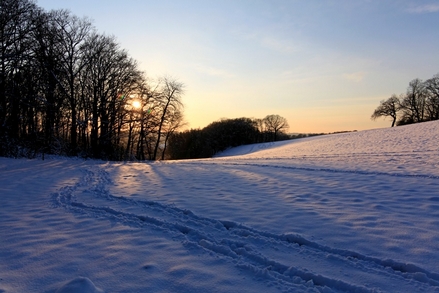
x=266, y=255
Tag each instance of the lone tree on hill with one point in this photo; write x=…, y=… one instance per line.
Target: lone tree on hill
x=275, y=124
x=388, y=108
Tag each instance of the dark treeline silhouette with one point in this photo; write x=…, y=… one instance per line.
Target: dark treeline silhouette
x=226, y=133
x=420, y=103
x=66, y=89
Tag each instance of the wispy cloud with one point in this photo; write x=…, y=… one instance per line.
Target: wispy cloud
x=269, y=39
x=355, y=77
x=426, y=8
x=212, y=71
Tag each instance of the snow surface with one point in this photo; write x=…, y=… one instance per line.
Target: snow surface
x=353, y=212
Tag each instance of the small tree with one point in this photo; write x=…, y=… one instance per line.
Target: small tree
x=388, y=108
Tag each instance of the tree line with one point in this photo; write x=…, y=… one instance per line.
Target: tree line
x=67, y=89
x=226, y=133
x=420, y=103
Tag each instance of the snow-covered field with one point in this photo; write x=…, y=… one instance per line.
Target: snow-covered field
x=353, y=212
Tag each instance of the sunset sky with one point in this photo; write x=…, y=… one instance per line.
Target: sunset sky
x=323, y=65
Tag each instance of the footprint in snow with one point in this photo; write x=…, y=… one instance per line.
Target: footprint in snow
x=83, y=285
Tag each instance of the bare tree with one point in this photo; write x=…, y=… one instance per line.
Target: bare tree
x=388, y=108
x=413, y=104
x=68, y=88
x=275, y=124
x=432, y=103
x=16, y=23
x=169, y=98
x=110, y=77
x=72, y=34
x=174, y=123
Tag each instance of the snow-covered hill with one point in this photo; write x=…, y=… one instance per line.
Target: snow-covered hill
x=353, y=212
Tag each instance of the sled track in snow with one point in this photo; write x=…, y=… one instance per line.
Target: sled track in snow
x=266, y=255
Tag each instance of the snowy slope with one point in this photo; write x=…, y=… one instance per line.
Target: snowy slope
x=354, y=212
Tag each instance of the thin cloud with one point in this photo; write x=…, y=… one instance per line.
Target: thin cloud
x=269, y=40
x=427, y=8
x=355, y=77
x=215, y=72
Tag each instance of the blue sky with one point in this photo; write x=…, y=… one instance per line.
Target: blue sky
x=324, y=65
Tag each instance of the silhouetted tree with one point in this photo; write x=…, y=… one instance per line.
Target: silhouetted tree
x=216, y=137
x=189, y=144
x=432, y=103
x=275, y=124
x=419, y=103
x=16, y=24
x=230, y=133
x=413, y=103
x=388, y=108
x=66, y=89
x=169, y=100
x=72, y=34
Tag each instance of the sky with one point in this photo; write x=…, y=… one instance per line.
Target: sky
x=323, y=65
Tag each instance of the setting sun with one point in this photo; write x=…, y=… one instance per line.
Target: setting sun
x=136, y=104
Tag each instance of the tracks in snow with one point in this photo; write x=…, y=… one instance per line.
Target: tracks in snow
x=250, y=162
x=286, y=260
